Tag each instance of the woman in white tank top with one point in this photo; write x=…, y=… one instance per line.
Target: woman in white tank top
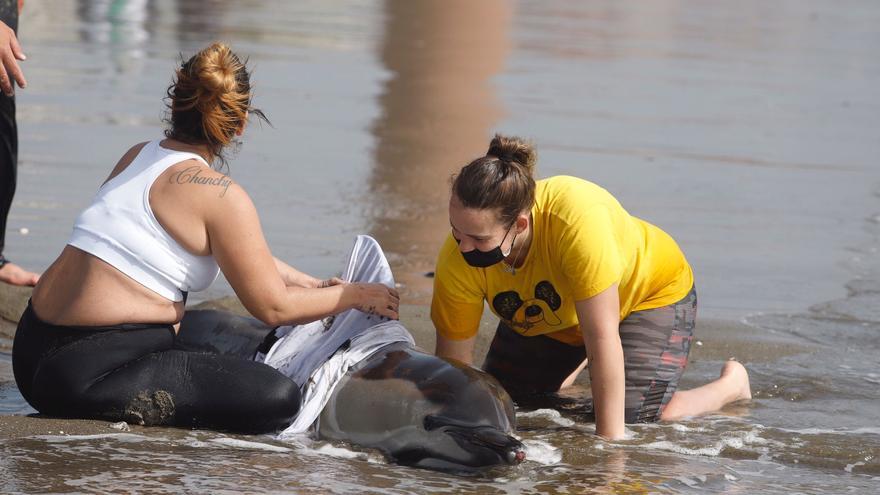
x=164, y=223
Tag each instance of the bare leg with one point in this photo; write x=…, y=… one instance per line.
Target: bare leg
x=13, y=274
x=733, y=385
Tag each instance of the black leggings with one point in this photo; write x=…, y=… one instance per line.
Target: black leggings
x=8, y=135
x=144, y=374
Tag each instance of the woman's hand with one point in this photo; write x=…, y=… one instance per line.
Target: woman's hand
x=375, y=299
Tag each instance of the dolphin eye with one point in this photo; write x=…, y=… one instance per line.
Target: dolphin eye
x=433, y=422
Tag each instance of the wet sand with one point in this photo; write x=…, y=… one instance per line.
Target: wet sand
x=12, y=427
x=13, y=301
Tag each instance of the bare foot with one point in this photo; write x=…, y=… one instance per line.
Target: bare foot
x=736, y=372
x=13, y=274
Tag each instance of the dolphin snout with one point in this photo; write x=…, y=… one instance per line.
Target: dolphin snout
x=498, y=440
x=516, y=456
x=480, y=440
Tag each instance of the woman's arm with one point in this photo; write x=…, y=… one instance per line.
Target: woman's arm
x=599, y=318
x=461, y=350
x=456, y=309
x=295, y=278
x=239, y=246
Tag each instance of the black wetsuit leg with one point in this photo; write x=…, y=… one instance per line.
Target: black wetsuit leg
x=8, y=135
x=221, y=332
x=133, y=373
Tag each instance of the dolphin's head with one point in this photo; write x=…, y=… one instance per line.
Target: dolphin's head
x=470, y=424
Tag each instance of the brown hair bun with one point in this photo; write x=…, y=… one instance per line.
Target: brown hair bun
x=209, y=99
x=514, y=149
x=502, y=180
x=215, y=68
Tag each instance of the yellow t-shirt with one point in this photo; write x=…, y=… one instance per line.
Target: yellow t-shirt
x=583, y=242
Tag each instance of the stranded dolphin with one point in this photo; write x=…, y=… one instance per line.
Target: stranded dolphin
x=364, y=382
x=423, y=411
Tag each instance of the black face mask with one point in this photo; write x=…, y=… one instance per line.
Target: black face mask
x=484, y=259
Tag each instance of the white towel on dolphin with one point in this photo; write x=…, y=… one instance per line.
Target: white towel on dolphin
x=324, y=380
x=317, y=355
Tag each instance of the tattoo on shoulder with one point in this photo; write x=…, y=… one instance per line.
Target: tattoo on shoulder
x=192, y=175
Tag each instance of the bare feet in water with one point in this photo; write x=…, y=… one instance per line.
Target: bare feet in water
x=731, y=386
x=736, y=372
x=13, y=274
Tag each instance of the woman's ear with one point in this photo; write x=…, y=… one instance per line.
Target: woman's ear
x=522, y=222
x=240, y=130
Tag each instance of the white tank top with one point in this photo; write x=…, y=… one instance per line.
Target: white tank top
x=119, y=227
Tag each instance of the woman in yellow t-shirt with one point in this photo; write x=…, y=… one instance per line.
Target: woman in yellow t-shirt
x=575, y=279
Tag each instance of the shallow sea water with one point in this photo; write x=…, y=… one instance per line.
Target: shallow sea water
x=747, y=130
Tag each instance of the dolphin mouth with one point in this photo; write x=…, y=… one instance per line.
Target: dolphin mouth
x=472, y=438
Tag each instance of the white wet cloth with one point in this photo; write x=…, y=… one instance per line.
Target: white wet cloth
x=317, y=355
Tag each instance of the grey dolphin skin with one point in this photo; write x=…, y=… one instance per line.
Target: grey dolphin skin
x=417, y=409
x=423, y=411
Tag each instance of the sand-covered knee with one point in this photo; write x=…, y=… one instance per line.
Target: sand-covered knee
x=150, y=409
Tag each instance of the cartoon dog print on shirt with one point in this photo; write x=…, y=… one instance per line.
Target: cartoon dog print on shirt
x=524, y=315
